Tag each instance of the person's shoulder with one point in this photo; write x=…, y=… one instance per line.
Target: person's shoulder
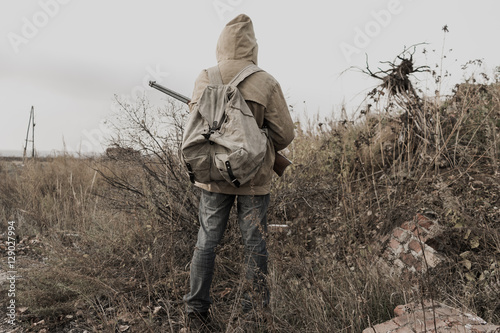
x=265, y=77
x=265, y=73
x=203, y=76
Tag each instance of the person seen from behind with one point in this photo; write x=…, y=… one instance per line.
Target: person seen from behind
x=236, y=49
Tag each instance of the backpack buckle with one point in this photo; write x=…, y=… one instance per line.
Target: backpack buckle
x=231, y=174
x=190, y=172
x=211, y=130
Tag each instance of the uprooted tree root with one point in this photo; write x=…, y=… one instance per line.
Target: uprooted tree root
x=424, y=132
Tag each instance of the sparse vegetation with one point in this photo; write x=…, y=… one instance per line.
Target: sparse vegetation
x=118, y=231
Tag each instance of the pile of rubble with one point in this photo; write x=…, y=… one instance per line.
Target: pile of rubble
x=432, y=317
x=410, y=249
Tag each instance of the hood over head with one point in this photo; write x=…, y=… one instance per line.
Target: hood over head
x=237, y=41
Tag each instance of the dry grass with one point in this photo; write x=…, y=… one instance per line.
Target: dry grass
x=118, y=231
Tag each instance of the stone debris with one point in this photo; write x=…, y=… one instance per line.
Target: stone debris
x=409, y=246
x=432, y=319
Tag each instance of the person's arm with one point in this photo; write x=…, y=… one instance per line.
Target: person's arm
x=278, y=120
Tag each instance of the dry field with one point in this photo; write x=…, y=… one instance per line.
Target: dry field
x=104, y=244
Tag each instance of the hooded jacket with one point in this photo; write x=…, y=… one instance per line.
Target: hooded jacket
x=237, y=48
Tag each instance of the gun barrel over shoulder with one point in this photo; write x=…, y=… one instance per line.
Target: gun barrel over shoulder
x=169, y=92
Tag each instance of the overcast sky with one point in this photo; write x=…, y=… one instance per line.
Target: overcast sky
x=68, y=58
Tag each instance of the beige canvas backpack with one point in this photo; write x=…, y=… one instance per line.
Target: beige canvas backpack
x=222, y=140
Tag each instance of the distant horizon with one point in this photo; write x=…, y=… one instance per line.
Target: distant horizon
x=40, y=153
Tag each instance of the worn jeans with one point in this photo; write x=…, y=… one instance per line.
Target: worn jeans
x=213, y=216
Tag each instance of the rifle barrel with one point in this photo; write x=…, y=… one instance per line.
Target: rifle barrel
x=169, y=92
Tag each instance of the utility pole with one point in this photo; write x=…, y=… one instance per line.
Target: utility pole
x=31, y=125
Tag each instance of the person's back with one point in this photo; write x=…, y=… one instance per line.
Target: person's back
x=236, y=49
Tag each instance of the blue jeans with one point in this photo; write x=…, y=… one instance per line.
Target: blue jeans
x=213, y=216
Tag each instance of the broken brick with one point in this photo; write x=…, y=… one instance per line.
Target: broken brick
x=409, y=259
x=421, y=218
x=408, y=226
x=420, y=233
x=418, y=267
x=432, y=259
x=415, y=246
x=440, y=316
x=385, y=327
x=426, y=224
x=400, y=310
x=400, y=234
x=394, y=244
x=403, y=319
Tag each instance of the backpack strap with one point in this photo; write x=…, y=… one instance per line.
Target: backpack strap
x=214, y=76
x=243, y=74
